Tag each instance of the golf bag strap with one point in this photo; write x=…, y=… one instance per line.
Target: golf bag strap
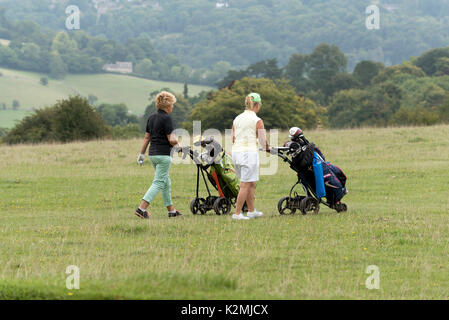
x=215, y=177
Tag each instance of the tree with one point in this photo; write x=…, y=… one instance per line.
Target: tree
x=428, y=60
x=390, y=73
x=324, y=63
x=345, y=108
x=145, y=68
x=366, y=70
x=116, y=114
x=232, y=76
x=186, y=91
x=343, y=81
x=63, y=45
x=8, y=57
x=442, y=66
x=354, y=107
x=297, y=70
x=281, y=107
x=44, y=81
x=265, y=69
x=29, y=57
x=15, y=104
x=58, y=69
x=444, y=111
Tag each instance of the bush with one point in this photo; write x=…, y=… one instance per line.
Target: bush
x=3, y=132
x=33, y=128
x=444, y=112
x=416, y=117
x=44, y=81
x=68, y=120
x=131, y=130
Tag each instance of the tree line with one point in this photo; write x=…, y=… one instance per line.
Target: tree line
x=37, y=49
x=248, y=31
x=310, y=90
x=414, y=92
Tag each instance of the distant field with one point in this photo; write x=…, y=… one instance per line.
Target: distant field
x=109, y=88
x=73, y=204
x=8, y=118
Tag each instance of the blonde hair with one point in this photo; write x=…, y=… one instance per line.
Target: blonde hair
x=249, y=103
x=164, y=100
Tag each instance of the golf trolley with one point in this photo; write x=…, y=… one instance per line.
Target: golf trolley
x=309, y=203
x=217, y=166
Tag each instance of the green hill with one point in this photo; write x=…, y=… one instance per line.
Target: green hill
x=109, y=88
x=8, y=118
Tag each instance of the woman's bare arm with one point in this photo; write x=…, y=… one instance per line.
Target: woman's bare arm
x=173, y=140
x=233, y=134
x=262, y=135
x=146, y=142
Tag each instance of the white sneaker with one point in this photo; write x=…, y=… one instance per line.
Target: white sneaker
x=239, y=217
x=255, y=214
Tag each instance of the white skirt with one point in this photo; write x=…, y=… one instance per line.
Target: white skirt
x=246, y=166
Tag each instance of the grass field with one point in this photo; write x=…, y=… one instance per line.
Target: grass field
x=73, y=204
x=109, y=88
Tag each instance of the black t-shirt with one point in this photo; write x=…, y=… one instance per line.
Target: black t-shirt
x=159, y=126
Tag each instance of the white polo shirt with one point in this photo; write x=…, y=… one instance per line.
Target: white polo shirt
x=245, y=132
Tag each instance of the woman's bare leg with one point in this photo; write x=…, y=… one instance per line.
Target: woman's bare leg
x=241, y=198
x=144, y=205
x=250, y=196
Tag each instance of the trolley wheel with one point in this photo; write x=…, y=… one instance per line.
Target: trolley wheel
x=222, y=206
x=309, y=205
x=197, y=206
x=341, y=207
x=285, y=206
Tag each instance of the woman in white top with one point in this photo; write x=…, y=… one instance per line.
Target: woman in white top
x=246, y=130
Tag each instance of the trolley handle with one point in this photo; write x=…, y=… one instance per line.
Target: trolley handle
x=281, y=152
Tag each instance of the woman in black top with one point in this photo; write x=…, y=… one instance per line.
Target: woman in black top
x=159, y=134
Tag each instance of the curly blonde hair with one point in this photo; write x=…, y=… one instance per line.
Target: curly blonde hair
x=164, y=100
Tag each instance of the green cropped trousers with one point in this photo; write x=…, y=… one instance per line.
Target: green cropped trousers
x=161, y=181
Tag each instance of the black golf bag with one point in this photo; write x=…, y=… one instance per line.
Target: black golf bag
x=301, y=153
